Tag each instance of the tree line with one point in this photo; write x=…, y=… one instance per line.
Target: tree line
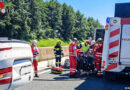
x=38, y=19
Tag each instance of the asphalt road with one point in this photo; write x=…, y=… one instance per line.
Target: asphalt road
x=48, y=81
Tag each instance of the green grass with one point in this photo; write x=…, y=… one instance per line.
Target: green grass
x=50, y=43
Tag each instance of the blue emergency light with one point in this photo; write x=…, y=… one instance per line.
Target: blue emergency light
x=108, y=20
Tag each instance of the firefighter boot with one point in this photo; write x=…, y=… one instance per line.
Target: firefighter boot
x=36, y=75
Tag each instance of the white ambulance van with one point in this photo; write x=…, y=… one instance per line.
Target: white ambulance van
x=99, y=33
x=15, y=63
x=116, y=50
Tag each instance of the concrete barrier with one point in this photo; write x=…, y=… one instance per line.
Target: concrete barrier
x=47, y=53
x=50, y=63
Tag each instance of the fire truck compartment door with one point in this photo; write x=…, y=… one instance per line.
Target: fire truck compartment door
x=125, y=45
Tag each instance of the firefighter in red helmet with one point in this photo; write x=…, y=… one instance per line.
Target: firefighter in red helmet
x=72, y=57
x=98, y=55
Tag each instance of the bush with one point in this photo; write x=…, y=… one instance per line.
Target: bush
x=50, y=43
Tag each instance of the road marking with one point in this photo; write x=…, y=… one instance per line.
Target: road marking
x=44, y=71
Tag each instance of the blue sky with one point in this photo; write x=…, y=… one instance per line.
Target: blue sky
x=98, y=9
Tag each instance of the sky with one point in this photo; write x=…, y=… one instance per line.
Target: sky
x=98, y=9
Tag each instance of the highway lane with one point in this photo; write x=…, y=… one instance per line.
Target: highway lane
x=48, y=81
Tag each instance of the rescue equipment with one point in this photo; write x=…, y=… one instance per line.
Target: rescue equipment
x=56, y=70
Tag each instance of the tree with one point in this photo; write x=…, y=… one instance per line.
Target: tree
x=92, y=25
x=68, y=22
x=36, y=19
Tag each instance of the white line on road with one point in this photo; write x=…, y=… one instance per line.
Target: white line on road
x=44, y=71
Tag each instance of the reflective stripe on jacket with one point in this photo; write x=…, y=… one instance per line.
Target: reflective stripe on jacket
x=35, y=52
x=58, y=51
x=71, y=49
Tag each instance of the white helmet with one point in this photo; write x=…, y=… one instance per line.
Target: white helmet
x=74, y=39
x=99, y=40
x=93, y=42
x=34, y=42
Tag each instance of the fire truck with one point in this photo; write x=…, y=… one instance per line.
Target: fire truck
x=116, y=56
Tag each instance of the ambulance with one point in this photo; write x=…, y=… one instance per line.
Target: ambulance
x=116, y=49
x=99, y=33
x=15, y=63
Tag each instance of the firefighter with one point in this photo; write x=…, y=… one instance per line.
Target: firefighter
x=98, y=55
x=58, y=51
x=72, y=57
x=35, y=54
x=79, y=48
x=92, y=47
x=92, y=44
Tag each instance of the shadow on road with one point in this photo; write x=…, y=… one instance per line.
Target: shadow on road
x=91, y=82
x=58, y=79
x=94, y=83
x=62, y=77
x=66, y=77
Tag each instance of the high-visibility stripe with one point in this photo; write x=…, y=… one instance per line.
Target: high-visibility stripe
x=125, y=20
x=58, y=62
x=115, y=32
x=58, y=55
x=114, y=44
x=57, y=49
x=115, y=27
x=5, y=81
x=98, y=55
x=71, y=54
x=115, y=54
x=114, y=38
x=114, y=49
x=72, y=68
x=73, y=71
x=110, y=67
